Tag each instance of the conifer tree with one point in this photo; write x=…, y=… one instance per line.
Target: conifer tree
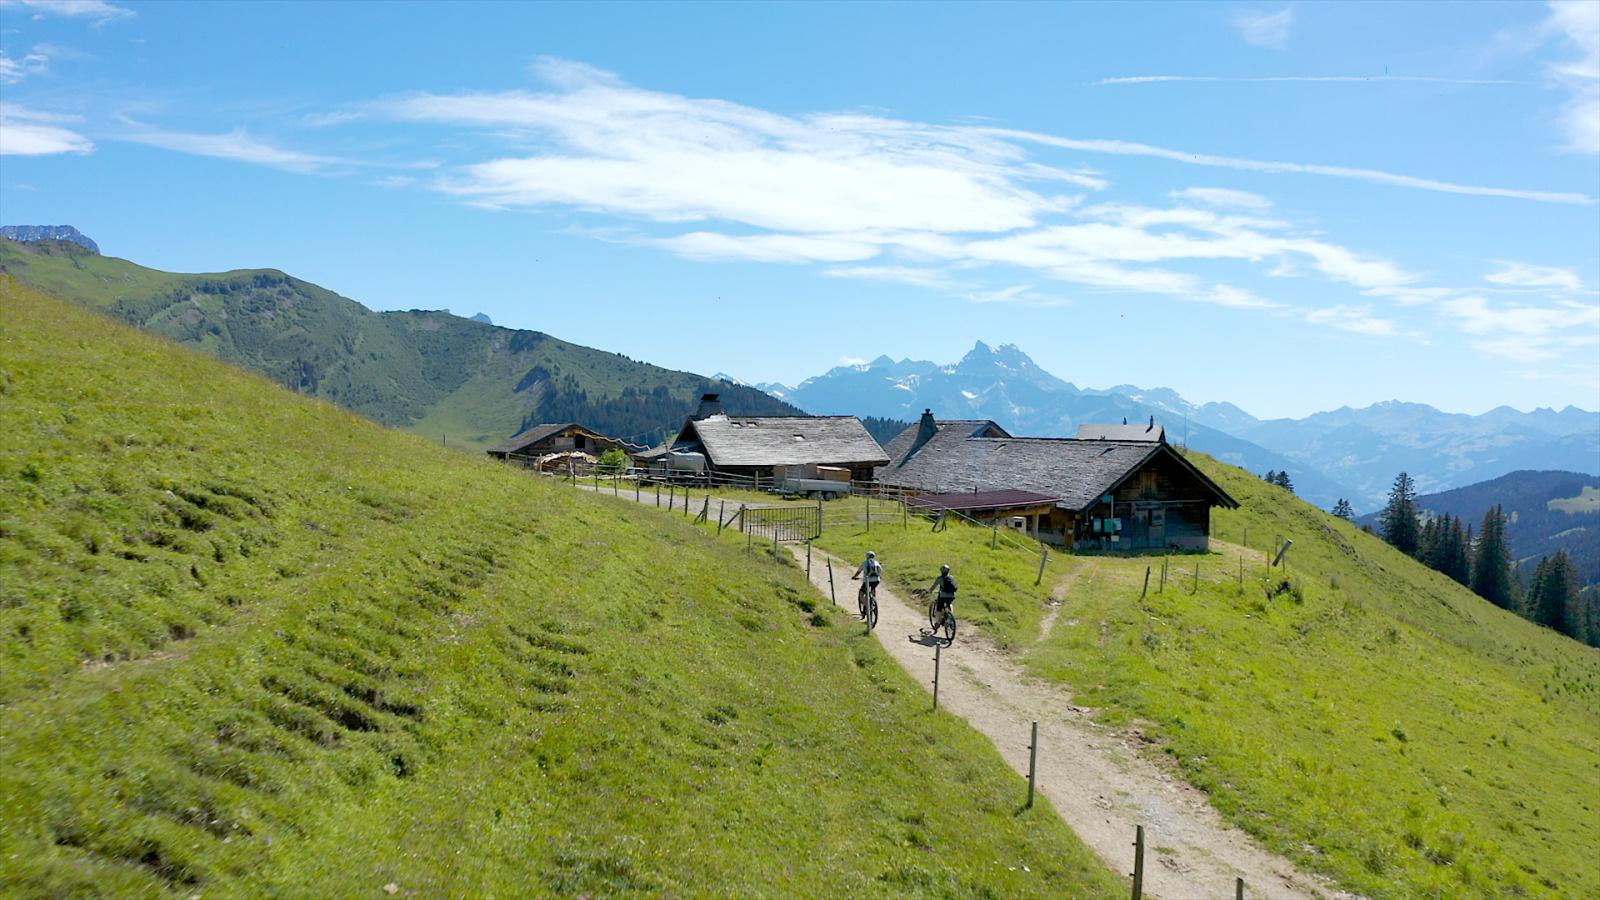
x=1399, y=519
x=1271, y=477
x=1342, y=509
x=1428, y=544
x=1554, y=596
x=1458, y=558
x=1284, y=482
x=1491, y=564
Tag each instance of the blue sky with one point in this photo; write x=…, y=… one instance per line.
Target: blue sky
x=1290, y=207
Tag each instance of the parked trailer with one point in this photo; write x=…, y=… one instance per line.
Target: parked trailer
x=814, y=487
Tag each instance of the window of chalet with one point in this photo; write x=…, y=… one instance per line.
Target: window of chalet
x=1147, y=482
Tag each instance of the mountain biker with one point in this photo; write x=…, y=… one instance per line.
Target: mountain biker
x=873, y=570
x=944, y=587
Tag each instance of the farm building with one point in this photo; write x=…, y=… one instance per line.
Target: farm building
x=564, y=438
x=833, y=447
x=1123, y=493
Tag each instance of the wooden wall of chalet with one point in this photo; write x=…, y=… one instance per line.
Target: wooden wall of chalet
x=1163, y=504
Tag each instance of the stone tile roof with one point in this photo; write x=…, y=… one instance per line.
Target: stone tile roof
x=981, y=500
x=784, y=440
x=1078, y=472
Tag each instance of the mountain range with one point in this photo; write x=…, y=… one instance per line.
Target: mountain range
x=1350, y=453
x=467, y=383
x=48, y=233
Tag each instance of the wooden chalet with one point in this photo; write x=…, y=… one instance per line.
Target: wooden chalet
x=563, y=438
x=768, y=446
x=1131, y=491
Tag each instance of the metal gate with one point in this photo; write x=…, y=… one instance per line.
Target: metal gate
x=798, y=522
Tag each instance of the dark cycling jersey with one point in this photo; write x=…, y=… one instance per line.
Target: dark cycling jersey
x=946, y=587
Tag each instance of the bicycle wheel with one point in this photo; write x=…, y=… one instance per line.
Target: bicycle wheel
x=861, y=602
x=949, y=626
x=933, y=616
x=872, y=610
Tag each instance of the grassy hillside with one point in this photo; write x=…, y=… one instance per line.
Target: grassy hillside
x=1376, y=722
x=252, y=643
x=442, y=376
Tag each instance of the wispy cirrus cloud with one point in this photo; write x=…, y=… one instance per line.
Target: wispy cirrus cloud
x=972, y=210
x=14, y=70
x=1265, y=29
x=1524, y=275
x=235, y=145
x=1577, y=24
x=1327, y=79
x=96, y=11
x=31, y=132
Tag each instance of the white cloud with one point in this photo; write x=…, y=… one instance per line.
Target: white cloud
x=912, y=275
x=14, y=70
x=1577, y=23
x=1516, y=274
x=1375, y=176
x=1326, y=79
x=1223, y=197
x=30, y=132
x=1358, y=319
x=851, y=361
x=97, y=11
x=1265, y=29
x=768, y=247
x=234, y=145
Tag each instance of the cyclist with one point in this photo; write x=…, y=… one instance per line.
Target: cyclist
x=944, y=587
x=873, y=570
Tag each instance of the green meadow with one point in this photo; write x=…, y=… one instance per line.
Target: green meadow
x=1357, y=712
x=252, y=644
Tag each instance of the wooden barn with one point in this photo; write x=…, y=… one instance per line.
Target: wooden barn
x=1131, y=491
x=566, y=437
x=765, y=446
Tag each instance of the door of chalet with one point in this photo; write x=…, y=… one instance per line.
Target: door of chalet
x=1156, y=526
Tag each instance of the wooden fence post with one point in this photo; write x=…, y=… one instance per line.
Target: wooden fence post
x=1138, y=862
x=994, y=533
x=672, y=495
x=1033, y=759
x=831, y=595
x=1146, y=583
x=1238, y=889
x=936, y=648
x=819, y=515
x=1196, y=588
x=1044, y=557
x=658, y=495
x=722, y=507
x=636, y=489
x=1163, y=588
x=808, y=562
x=774, y=542
x=869, y=512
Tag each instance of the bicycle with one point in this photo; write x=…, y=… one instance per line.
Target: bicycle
x=942, y=617
x=867, y=600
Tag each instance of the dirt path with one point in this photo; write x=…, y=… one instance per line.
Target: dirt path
x=1093, y=775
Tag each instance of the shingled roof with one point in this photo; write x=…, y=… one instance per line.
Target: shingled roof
x=1078, y=472
x=539, y=432
x=905, y=441
x=783, y=440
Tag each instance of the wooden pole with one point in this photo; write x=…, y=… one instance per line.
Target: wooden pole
x=1146, y=583
x=994, y=533
x=936, y=649
x=658, y=495
x=819, y=515
x=774, y=541
x=1033, y=759
x=1163, y=588
x=749, y=539
x=636, y=488
x=1138, y=862
x=672, y=495
x=1238, y=889
x=869, y=512
x=1196, y=588
x=722, y=507
x=831, y=595
x=808, y=562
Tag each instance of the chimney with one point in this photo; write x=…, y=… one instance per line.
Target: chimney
x=710, y=405
x=1152, y=424
x=926, y=429
x=1124, y=420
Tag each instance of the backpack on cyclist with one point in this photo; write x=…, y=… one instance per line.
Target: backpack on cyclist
x=873, y=570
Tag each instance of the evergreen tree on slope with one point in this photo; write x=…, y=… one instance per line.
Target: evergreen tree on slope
x=1399, y=519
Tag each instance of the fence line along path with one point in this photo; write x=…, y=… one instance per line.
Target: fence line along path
x=1093, y=775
